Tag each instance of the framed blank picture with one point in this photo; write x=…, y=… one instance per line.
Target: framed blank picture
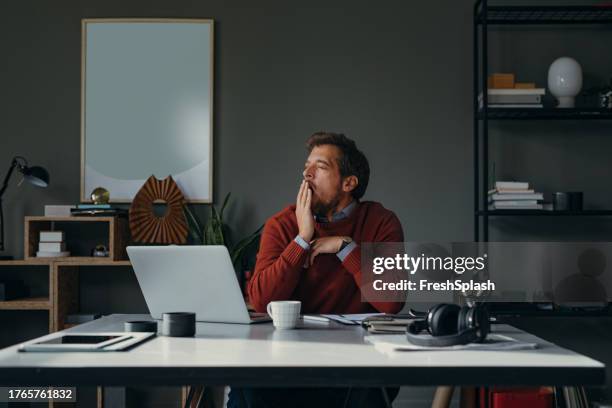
x=146, y=105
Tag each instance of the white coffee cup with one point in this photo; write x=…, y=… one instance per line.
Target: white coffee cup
x=284, y=313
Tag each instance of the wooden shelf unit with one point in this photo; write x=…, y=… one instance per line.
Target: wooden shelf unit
x=118, y=236
x=32, y=302
x=63, y=272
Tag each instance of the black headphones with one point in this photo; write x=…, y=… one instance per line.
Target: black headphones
x=450, y=325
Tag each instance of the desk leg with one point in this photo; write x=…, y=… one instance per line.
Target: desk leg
x=195, y=397
x=443, y=396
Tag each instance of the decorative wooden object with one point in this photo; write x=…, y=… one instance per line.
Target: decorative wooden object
x=145, y=226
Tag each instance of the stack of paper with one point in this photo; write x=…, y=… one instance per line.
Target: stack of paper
x=390, y=344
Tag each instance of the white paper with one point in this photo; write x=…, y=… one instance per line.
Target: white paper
x=389, y=343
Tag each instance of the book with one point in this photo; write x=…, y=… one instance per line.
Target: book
x=512, y=185
x=93, y=206
x=43, y=254
x=497, y=206
x=511, y=191
x=516, y=105
x=514, y=203
x=515, y=91
x=52, y=246
x=518, y=99
x=101, y=212
x=516, y=196
x=51, y=236
x=381, y=328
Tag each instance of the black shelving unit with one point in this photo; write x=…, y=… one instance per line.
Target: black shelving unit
x=485, y=16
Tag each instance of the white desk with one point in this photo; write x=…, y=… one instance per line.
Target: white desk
x=314, y=355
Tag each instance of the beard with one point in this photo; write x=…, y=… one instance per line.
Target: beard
x=321, y=208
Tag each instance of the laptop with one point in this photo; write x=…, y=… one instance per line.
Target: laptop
x=197, y=278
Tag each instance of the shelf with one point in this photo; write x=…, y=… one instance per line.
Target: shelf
x=546, y=213
x=519, y=15
x=72, y=218
x=38, y=303
x=84, y=260
x=33, y=261
x=546, y=114
x=92, y=261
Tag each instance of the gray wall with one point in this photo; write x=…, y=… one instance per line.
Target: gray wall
x=283, y=71
x=395, y=77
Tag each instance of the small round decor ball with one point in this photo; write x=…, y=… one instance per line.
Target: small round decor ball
x=100, y=195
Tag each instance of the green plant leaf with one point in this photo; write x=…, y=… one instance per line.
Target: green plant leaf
x=214, y=229
x=244, y=243
x=194, y=225
x=225, y=201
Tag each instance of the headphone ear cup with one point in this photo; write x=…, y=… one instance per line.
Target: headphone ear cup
x=463, y=319
x=443, y=319
x=481, y=322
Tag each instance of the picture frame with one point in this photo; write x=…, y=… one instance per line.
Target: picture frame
x=147, y=105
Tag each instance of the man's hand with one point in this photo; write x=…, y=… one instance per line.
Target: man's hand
x=303, y=213
x=325, y=245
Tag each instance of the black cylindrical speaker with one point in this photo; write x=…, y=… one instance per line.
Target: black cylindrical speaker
x=178, y=324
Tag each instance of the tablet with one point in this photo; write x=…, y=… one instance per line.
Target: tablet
x=85, y=342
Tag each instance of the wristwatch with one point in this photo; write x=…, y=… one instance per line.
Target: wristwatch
x=345, y=242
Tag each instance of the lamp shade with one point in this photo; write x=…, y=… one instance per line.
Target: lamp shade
x=36, y=175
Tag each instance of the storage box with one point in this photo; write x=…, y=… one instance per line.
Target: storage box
x=504, y=81
x=524, y=85
x=502, y=397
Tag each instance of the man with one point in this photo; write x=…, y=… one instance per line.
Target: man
x=310, y=252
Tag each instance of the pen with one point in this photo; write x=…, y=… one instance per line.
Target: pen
x=315, y=318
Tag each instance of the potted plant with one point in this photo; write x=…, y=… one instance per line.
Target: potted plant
x=214, y=232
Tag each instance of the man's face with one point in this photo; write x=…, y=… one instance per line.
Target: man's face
x=322, y=173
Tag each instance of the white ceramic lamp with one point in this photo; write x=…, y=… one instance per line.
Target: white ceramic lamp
x=565, y=81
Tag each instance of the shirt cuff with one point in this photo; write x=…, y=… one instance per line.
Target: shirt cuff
x=347, y=250
x=300, y=241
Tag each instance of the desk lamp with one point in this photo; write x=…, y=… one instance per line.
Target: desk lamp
x=34, y=175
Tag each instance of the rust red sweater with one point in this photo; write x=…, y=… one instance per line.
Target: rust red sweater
x=328, y=285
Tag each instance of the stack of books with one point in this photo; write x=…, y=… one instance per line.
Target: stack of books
x=514, y=195
x=51, y=244
x=504, y=92
x=513, y=98
x=387, y=324
x=97, y=209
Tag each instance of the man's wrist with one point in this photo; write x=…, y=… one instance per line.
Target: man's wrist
x=305, y=237
x=302, y=242
x=345, y=242
x=344, y=252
